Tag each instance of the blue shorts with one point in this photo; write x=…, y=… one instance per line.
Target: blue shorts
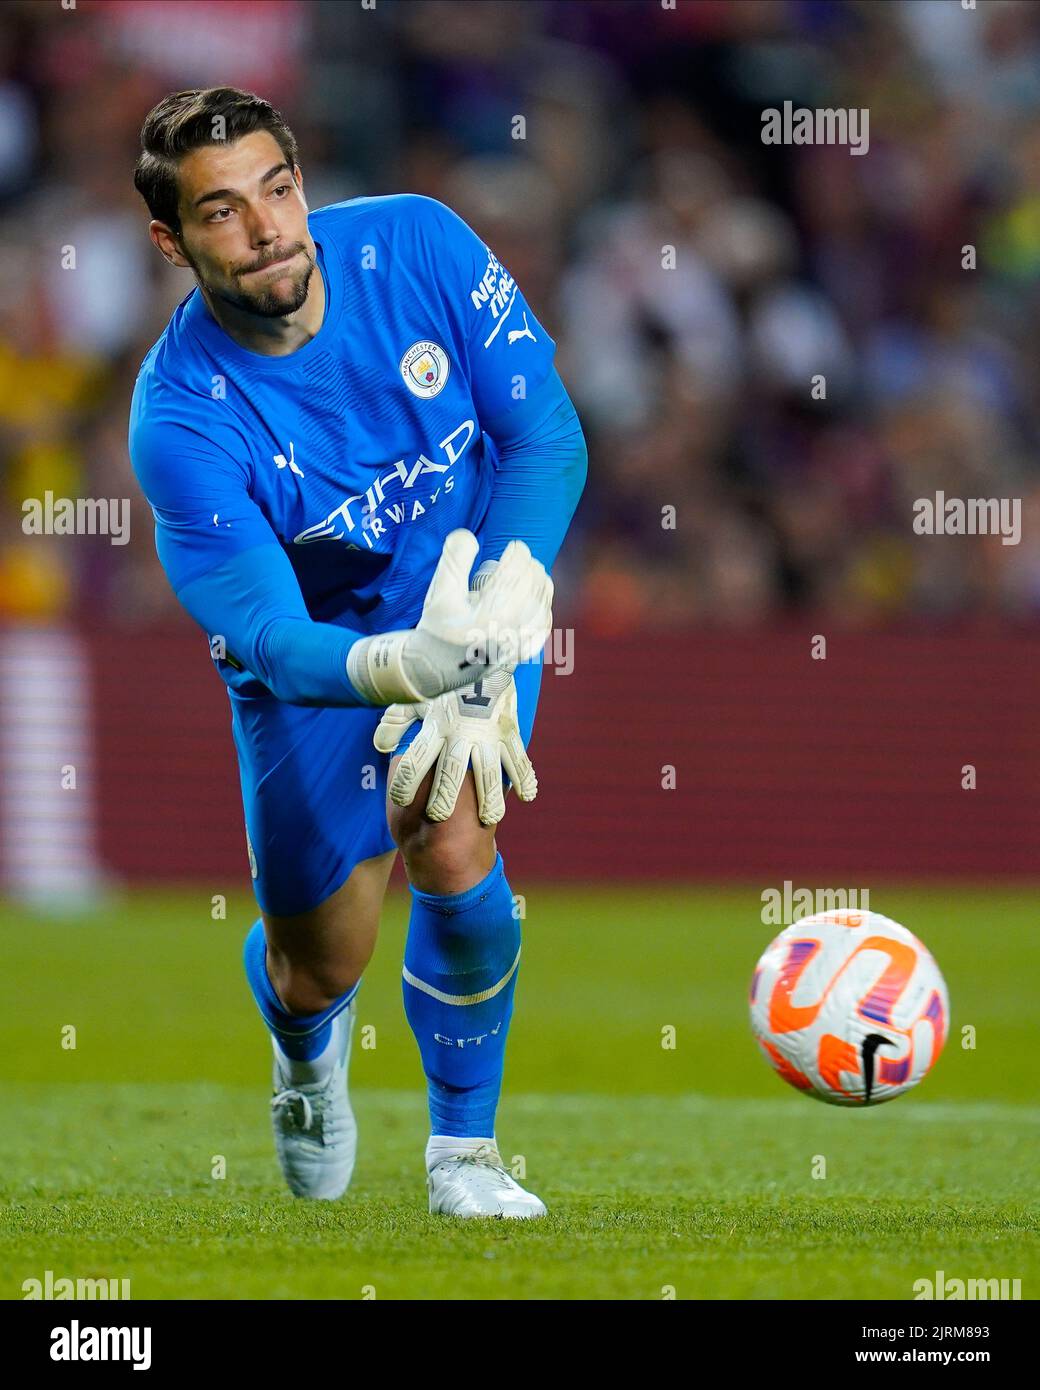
x=314, y=791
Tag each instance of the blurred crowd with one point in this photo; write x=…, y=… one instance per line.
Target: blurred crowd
x=693, y=370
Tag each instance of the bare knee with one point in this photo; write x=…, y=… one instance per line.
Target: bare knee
x=447, y=862
x=307, y=988
x=443, y=856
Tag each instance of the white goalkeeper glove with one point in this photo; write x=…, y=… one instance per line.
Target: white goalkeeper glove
x=463, y=635
x=476, y=725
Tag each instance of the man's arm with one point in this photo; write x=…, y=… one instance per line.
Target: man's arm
x=252, y=603
x=542, y=468
x=251, y=608
x=231, y=574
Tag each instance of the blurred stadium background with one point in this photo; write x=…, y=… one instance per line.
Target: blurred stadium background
x=685, y=1168
x=793, y=515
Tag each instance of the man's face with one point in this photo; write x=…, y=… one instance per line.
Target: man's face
x=243, y=226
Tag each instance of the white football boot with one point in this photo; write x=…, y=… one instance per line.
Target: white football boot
x=315, y=1134
x=478, y=1184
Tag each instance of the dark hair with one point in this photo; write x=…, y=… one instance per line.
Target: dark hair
x=186, y=121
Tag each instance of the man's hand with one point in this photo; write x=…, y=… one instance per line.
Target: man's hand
x=463, y=635
x=475, y=725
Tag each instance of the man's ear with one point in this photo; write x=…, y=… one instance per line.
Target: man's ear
x=165, y=240
x=297, y=174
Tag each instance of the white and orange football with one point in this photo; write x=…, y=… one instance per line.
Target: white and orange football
x=849, y=1007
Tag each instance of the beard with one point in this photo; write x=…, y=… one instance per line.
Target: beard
x=270, y=303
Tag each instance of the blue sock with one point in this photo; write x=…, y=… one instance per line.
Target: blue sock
x=300, y=1036
x=460, y=966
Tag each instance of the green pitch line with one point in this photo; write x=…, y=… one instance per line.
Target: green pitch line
x=686, y=1168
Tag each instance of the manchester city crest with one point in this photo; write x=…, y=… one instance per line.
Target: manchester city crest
x=424, y=368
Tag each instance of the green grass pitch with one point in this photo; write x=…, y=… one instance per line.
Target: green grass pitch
x=682, y=1172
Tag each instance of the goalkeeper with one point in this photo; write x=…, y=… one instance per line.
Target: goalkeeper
x=362, y=465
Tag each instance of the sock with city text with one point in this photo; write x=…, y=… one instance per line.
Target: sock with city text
x=460, y=967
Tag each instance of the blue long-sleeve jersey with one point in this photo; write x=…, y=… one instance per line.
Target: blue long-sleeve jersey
x=302, y=501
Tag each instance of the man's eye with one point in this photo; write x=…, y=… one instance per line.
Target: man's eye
x=283, y=189
x=217, y=216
